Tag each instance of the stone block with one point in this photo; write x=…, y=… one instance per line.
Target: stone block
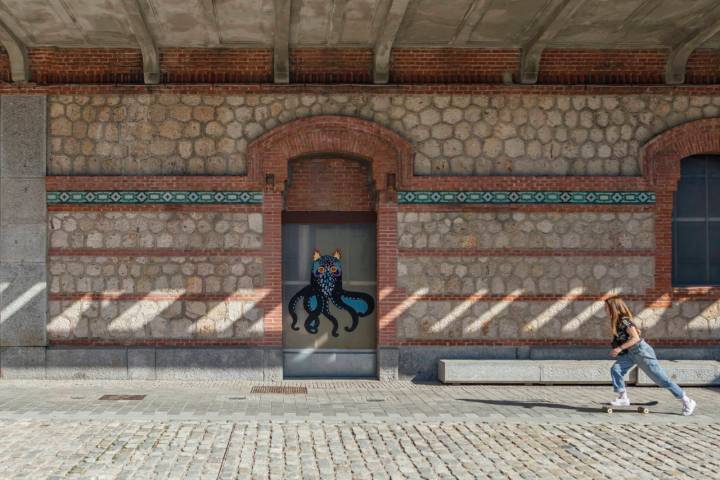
x=141, y=363
x=388, y=362
x=272, y=364
x=209, y=363
x=23, y=305
x=23, y=200
x=23, y=243
x=22, y=362
x=580, y=372
x=569, y=353
x=688, y=353
x=421, y=363
x=323, y=364
x=489, y=371
x=23, y=131
x=87, y=363
x=687, y=372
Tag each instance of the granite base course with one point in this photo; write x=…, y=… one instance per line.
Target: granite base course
x=141, y=363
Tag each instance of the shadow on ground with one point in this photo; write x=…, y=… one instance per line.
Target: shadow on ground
x=543, y=404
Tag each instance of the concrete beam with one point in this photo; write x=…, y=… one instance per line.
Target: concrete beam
x=60, y=8
x=281, y=49
x=550, y=24
x=19, y=63
x=386, y=39
x=470, y=21
x=150, y=54
x=635, y=19
x=213, y=28
x=679, y=54
x=337, y=14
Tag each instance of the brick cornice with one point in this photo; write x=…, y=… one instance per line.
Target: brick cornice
x=328, y=89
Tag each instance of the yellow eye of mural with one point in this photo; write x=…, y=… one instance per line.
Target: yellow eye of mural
x=321, y=269
x=333, y=269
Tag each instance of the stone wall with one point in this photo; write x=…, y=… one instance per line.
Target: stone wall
x=553, y=320
x=169, y=288
x=519, y=230
x=154, y=319
x=533, y=265
x=186, y=274
x=502, y=275
x=199, y=230
x=502, y=134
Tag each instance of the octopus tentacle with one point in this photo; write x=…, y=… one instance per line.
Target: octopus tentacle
x=331, y=317
x=304, y=292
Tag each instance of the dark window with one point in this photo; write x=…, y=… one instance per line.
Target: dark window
x=696, y=222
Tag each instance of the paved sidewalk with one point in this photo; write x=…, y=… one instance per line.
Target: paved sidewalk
x=348, y=430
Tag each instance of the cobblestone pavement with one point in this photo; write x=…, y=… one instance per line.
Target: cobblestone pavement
x=349, y=430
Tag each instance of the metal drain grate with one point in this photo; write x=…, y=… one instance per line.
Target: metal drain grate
x=284, y=390
x=122, y=397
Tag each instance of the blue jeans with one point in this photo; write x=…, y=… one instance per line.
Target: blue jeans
x=643, y=355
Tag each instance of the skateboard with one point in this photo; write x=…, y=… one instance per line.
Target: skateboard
x=638, y=407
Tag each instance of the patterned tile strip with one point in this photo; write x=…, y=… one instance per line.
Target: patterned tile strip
x=152, y=197
x=528, y=197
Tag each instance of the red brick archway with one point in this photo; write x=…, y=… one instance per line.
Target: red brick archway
x=387, y=152
x=660, y=163
x=660, y=157
x=390, y=160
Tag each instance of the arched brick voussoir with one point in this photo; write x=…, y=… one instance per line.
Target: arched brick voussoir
x=387, y=152
x=660, y=157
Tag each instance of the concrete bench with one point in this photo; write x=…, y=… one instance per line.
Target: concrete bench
x=683, y=372
x=687, y=372
x=528, y=371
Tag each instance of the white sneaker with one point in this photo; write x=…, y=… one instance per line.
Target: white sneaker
x=689, y=407
x=623, y=401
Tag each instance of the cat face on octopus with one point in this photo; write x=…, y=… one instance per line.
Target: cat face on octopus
x=327, y=269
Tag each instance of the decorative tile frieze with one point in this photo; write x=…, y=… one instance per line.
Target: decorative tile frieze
x=152, y=197
x=528, y=197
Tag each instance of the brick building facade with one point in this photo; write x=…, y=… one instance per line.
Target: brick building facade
x=142, y=226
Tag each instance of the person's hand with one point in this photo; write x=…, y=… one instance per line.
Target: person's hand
x=615, y=352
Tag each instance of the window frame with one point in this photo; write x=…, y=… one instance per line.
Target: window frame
x=706, y=220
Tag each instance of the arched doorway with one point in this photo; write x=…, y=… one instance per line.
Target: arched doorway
x=330, y=186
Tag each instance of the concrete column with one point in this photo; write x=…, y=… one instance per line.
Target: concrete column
x=388, y=361
x=23, y=232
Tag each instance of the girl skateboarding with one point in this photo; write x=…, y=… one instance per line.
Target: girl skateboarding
x=631, y=350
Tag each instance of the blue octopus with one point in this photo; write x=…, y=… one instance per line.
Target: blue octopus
x=326, y=287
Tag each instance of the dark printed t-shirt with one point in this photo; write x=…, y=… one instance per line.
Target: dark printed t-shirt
x=621, y=333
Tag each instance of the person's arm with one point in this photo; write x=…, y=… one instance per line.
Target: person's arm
x=634, y=338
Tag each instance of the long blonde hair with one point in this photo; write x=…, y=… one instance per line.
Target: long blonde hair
x=618, y=309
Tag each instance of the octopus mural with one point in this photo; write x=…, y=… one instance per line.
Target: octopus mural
x=325, y=289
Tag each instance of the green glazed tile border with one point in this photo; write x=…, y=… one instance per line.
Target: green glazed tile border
x=542, y=197
x=151, y=197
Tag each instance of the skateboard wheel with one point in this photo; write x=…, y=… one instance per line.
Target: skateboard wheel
x=643, y=410
x=608, y=410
